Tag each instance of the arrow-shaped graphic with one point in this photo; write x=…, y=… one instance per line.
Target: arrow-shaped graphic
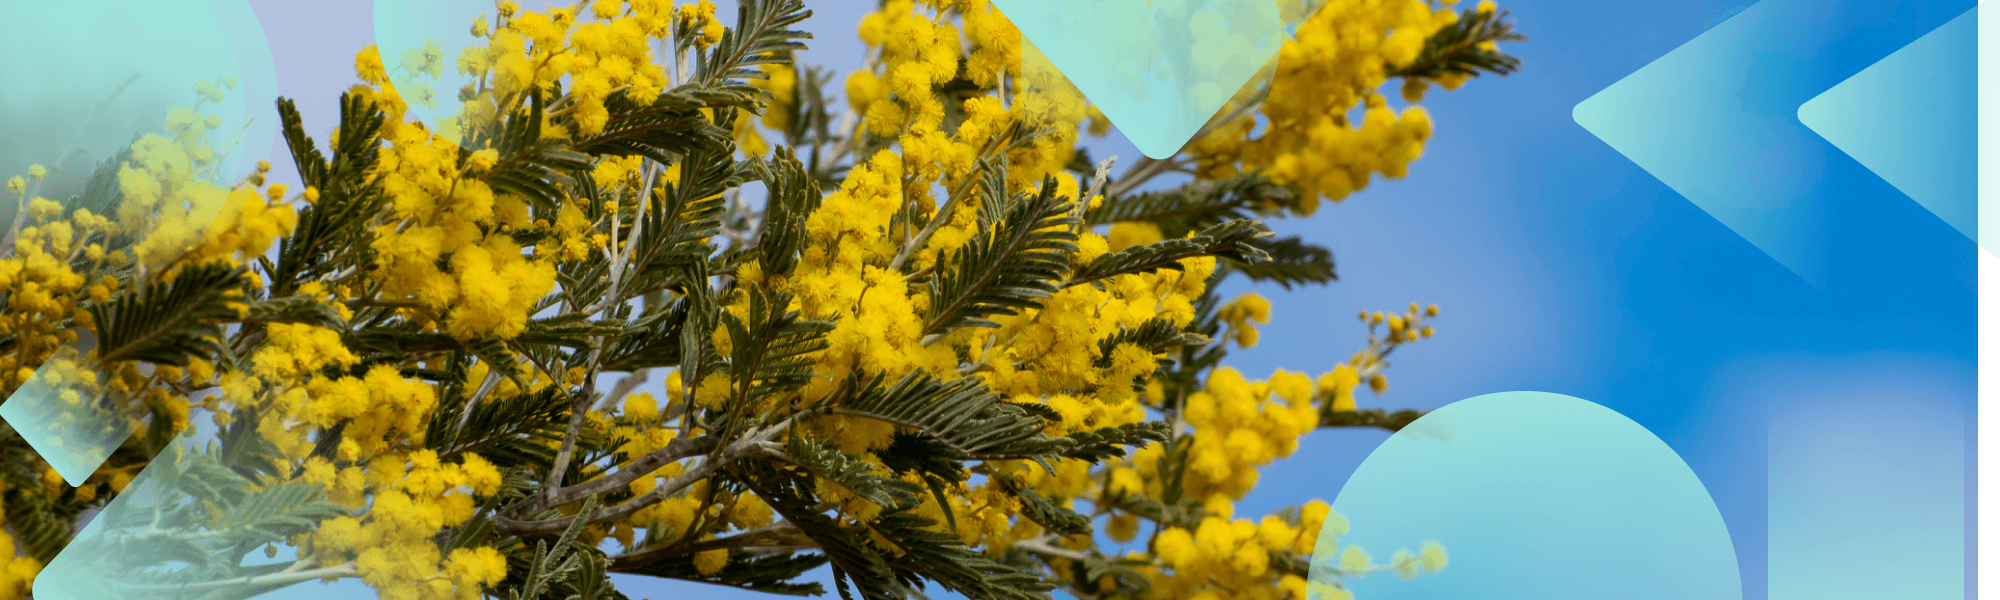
x=1909, y=118
x=1717, y=120
x=1703, y=120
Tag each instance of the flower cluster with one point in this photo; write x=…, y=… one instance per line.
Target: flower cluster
x=16, y=571
x=1238, y=427
x=411, y=498
x=1302, y=133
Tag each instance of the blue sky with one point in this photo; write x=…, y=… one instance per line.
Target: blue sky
x=1558, y=265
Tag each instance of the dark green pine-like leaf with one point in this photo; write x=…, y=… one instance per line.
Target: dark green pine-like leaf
x=762, y=35
x=850, y=473
x=682, y=219
x=571, y=330
x=943, y=558
x=1230, y=240
x=246, y=451
x=698, y=356
x=652, y=340
x=773, y=348
x=963, y=415
x=1455, y=48
x=1124, y=573
x=665, y=127
x=38, y=531
x=923, y=454
x=854, y=560
x=175, y=322
x=1291, y=563
x=1293, y=262
x=1154, y=336
x=506, y=431
x=1110, y=442
x=1185, y=374
x=530, y=166
x=1174, y=466
x=551, y=566
x=277, y=512
x=101, y=193
x=325, y=238
x=1048, y=514
x=1196, y=206
x=1374, y=417
x=793, y=196
x=590, y=581
x=197, y=474
x=1184, y=514
x=1004, y=268
x=295, y=309
x=399, y=341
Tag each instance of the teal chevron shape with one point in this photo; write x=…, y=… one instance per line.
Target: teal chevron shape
x=74, y=430
x=1159, y=69
x=1910, y=119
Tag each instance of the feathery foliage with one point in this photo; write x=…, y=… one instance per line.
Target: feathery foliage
x=612, y=329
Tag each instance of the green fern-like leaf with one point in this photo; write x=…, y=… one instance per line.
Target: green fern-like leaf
x=1005, y=268
x=761, y=36
x=793, y=196
x=174, y=322
x=850, y=473
x=1154, y=336
x=1457, y=49
x=1196, y=206
x=969, y=420
x=1229, y=240
x=1292, y=262
x=1110, y=442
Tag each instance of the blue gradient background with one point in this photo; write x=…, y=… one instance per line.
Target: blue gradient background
x=1867, y=480
x=1559, y=264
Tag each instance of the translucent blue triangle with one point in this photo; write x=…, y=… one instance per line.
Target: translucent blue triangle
x=1713, y=121
x=1158, y=70
x=1912, y=119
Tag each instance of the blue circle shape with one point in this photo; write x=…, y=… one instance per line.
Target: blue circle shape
x=1536, y=496
x=87, y=77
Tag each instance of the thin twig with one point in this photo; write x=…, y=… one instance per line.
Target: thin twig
x=1096, y=185
x=1040, y=547
x=943, y=214
x=751, y=442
